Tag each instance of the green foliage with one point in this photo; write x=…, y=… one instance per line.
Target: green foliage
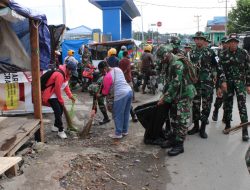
x=239, y=17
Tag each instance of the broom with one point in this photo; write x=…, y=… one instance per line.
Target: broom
x=236, y=128
x=86, y=129
x=68, y=119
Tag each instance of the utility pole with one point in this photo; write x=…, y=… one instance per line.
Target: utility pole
x=198, y=21
x=226, y=1
x=226, y=20
x=64, y=12
x=142, y=25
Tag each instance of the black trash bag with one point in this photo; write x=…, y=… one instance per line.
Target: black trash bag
x=152, y=118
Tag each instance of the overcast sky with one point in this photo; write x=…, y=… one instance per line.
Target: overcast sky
x=177, y=16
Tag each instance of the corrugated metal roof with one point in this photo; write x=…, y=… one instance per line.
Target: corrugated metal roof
x=218, y=20
x=83, y=30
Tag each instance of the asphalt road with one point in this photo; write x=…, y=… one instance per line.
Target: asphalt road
x=216, y=163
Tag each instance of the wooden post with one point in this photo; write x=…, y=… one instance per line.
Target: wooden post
x=35, y=69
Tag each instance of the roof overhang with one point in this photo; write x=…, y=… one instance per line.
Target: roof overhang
x=127, y=6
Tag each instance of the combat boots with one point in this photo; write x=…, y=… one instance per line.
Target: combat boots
x=245, y=136
x=203, y=133
x=195, y=129
x=168, y=143
x=228, y=126
x=178, y=148
x=215, y=115
x=105, y=119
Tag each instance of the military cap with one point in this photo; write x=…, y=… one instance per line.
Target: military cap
x=200, y=34
x=233, y=37
x=224, y=39
x=175, y=41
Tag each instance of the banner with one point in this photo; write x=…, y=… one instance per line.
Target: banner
x=15, y=94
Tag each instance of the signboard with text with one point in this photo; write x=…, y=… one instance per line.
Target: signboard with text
x=16, y=93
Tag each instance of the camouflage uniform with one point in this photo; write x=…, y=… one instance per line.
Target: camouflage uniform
x=236, y=66
x=187, y=49
x=219, y=100
x=205, y=63
x=164, y=72
x=162, y=67
x=247, y=157
x=179, y=94
x=86, y=59
x=94, y=89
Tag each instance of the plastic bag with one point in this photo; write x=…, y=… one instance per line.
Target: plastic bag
x=152, y=117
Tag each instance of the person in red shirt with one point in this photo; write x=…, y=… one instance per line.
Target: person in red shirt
x=52, y=95
x=125, y=66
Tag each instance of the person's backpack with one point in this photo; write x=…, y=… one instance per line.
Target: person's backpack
x=45, y=77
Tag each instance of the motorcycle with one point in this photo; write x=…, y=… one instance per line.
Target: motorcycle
x=89, y=75
x=136, y=78
x=152, y=83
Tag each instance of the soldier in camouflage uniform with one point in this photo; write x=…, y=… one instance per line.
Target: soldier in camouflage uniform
x=162, y=65
x=95, y=89
x=205, y=63
x=236, y=65
x=187, y=49
x=179, y=93
x=164, y=71
x=219, y=100
x=86, y=55
x=207, y=42
x=86, y=59
x=176, y=43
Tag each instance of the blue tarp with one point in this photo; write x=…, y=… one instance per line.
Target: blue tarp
x=22, y=31
x=73, y=45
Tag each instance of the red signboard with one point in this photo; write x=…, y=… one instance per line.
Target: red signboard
x=159, y=24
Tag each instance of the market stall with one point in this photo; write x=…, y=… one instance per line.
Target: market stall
x=24, y=50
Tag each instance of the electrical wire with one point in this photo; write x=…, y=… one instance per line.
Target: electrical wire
x=179, y=7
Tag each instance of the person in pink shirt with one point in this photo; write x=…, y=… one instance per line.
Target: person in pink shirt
x=52, y=95
x=114, y=78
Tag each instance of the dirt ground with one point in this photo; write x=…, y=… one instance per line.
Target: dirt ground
x=94, y=163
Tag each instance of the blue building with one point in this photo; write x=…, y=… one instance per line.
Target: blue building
x=117, y=17
x=216, y=29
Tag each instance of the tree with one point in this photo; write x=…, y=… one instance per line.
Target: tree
x=239, y=17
